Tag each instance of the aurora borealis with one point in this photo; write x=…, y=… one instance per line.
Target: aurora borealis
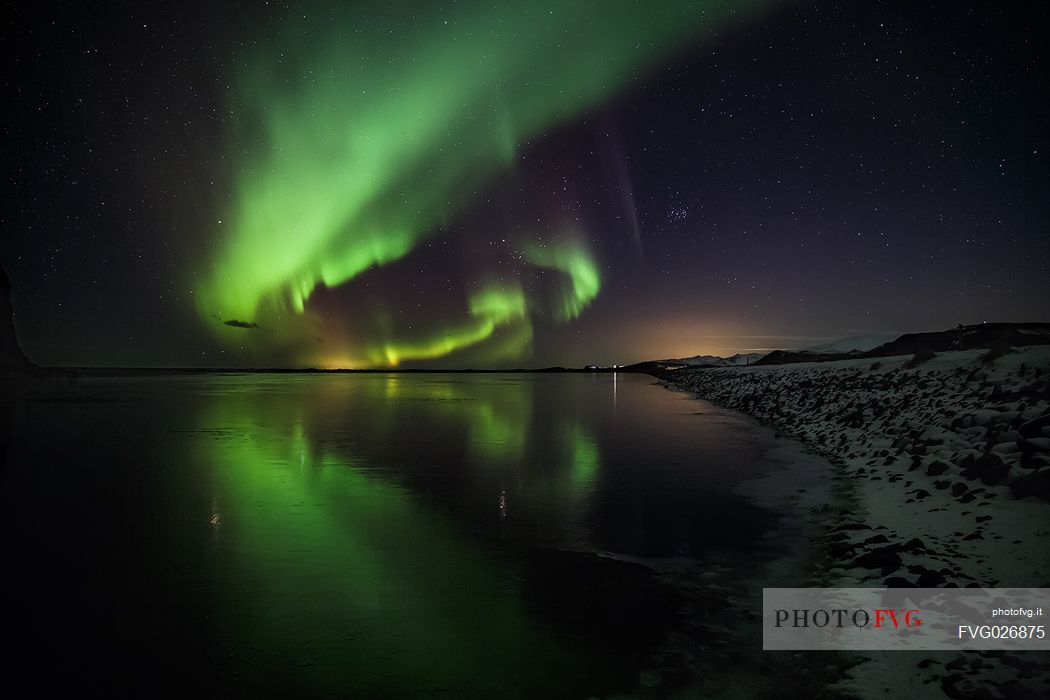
x=360, y=145
x=480, y=184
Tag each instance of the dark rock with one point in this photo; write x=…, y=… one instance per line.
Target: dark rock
x=885, y=558
x=1036, y=484
x=930, y=579
x=1034, y=427
x=957, y=687
x=840, y=549
x=937, y=467
x=1014, y=690
x=1027, y=667
x=989, y=468
x=1031, y=460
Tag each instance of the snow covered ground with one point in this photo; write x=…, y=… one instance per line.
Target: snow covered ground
x=944, y=465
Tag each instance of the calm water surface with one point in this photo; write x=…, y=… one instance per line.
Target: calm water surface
x=354, y=535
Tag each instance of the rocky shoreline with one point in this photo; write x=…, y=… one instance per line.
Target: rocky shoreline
x=943, y=478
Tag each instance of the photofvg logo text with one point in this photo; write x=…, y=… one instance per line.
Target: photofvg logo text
x=878, y=618
x=904, y=618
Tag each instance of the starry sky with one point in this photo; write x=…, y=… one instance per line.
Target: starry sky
x=498, y=184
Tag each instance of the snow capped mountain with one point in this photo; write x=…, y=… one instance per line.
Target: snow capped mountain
x=715, y=361
x=744, y=358
x=703, y=360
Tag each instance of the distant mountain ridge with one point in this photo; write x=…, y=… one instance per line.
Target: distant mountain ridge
x=981, y=335
x=978, y=336
x=873, y=345
x=860, y=343
x=715, y=361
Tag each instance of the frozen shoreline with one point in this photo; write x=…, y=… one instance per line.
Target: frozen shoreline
x=942, y=471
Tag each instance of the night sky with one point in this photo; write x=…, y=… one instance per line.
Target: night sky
x=510, y=184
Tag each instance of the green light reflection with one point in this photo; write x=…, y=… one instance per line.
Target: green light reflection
x=321, y=552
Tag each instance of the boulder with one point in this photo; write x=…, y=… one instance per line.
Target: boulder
x=937, y=467
x=989, y=468
x=1036, y=484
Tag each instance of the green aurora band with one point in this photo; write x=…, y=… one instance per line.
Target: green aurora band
x=359, y=134
x=584, y=279
x=490, y=308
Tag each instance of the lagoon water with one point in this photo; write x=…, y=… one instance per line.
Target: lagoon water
x=360, y=535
